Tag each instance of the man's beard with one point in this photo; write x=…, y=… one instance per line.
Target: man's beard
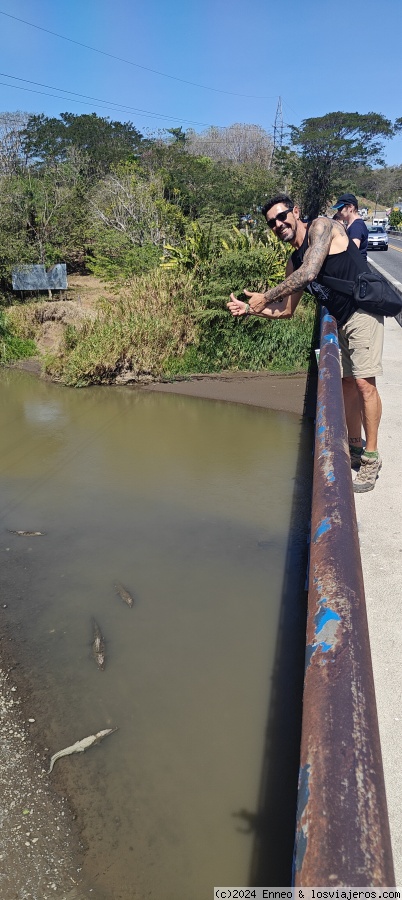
x=288, y=235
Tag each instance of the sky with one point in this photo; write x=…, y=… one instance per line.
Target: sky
x=164, y=63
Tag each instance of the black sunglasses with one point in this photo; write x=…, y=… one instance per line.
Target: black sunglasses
x=281, y=217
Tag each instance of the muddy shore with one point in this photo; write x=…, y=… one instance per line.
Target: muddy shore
x=40, y=851
x=280, y=392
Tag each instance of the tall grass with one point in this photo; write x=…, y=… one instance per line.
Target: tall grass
x=134, y=334
x=12, y=345
x=173, y=321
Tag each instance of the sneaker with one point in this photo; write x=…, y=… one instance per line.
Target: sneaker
x=355, y=457
x=367, y=475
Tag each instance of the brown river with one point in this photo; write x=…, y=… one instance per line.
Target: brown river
x=200, y=509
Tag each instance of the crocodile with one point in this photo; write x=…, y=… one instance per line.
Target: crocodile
x=80, y=746
x=98, y=646
x=124, y=594
x=27, y=533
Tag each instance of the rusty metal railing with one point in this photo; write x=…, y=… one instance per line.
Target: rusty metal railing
x=342, y=836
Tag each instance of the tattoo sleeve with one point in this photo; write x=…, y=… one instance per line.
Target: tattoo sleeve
x=320, y=236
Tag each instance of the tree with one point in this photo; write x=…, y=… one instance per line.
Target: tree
x=178, y=135
x=237, y=144
x=103, y=142
x=201, y=185
x=135, y=207
x=381, y=184
x=43, y=216
x=12, y=156
x=331, y=146
x=395, y=219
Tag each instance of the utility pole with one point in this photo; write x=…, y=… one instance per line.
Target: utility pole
x=278, y=126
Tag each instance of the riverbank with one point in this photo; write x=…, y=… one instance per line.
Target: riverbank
x=279, y=392
x=291, y=393
x=39, y=846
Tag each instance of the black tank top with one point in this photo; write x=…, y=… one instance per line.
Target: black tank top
x=346, y=265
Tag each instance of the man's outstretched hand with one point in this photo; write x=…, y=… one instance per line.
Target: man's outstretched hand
x=255, y=304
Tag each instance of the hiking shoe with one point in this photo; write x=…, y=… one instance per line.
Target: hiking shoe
x=355, y=457
x=367, y=475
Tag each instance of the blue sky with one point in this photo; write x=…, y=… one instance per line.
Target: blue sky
x=318, y=56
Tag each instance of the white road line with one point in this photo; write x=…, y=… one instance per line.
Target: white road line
x=386, y=274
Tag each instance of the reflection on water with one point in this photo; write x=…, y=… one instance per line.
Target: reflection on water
x=187, y=503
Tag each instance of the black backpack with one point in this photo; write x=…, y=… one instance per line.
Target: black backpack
x=371, y=292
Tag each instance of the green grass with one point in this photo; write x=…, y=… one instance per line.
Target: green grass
x=12, y=346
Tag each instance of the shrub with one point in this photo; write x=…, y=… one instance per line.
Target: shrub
x=132, y=336
x=12, y=346
x=115, y=259
x=228, y=343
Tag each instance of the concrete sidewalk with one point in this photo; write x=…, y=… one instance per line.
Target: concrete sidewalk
x=379, y=515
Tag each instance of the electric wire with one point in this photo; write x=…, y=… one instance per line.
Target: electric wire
x=99, y=100
x=131, y=63
x=146, y=113
x=108, y=103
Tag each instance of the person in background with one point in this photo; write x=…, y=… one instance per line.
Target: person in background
x=339, y=219
x=321, y=248
x=347, y=212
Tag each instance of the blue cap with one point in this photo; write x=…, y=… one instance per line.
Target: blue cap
x=345, y=199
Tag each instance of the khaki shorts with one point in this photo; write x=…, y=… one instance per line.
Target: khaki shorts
x=361, y=341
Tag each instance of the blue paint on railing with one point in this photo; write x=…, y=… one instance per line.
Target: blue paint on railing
x=325, y=526
x=324, y=616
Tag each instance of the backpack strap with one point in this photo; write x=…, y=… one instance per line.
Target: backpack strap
x=338, y=284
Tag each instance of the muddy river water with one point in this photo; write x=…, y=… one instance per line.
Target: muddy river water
x=200, y=509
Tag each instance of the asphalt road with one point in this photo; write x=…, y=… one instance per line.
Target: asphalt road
x=390, y=260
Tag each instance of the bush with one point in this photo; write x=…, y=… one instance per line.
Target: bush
x=254, y=343
x=133, y=335
x=115, y=259
x=11, y=345
x=175, y=322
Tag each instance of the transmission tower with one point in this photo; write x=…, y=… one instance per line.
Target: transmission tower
x=278, y=126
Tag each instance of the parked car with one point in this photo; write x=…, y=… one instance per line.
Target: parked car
x=377, y=238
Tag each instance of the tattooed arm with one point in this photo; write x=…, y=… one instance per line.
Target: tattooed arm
x=282, y=309
x=290, y=290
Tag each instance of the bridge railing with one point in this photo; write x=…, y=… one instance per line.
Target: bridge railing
x=342, y=836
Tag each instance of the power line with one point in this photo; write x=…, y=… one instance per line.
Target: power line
x=98, y=103
x=107, y=104
x=130, y=63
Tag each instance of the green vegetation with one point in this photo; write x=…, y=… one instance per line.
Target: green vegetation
x=12, y=346
x=163, y=221
x=332, y=146
x=395, y=219
x=175, y=322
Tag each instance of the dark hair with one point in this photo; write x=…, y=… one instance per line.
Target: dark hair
x=279, y=198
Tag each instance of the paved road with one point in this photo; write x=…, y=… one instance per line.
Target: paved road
x=390, y=261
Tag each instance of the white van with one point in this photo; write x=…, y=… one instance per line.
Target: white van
x=380, y=220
